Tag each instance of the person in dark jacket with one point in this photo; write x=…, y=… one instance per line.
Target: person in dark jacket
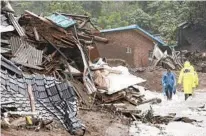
x=169, y=84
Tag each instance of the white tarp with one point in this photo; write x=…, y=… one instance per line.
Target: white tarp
x=157, y=53
x=6, y=28
x=121, y=81
x=114, y=79
x=73, y=70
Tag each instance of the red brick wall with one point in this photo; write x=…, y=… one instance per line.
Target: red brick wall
x=94, y=53
x=118, y=43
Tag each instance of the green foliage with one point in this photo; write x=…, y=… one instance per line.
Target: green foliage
x=159, y=17
x=138, y=16
x=34, y=6
x=112, y=21
x=71, y=7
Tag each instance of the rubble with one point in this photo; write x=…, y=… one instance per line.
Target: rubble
x=106, y=77
x=176, y=60
x=165, y=60
x=53, y=99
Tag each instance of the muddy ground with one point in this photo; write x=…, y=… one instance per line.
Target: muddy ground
x=101, y=122
x=98, y=123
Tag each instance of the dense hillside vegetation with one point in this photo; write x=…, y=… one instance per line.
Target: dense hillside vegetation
x=158, y=17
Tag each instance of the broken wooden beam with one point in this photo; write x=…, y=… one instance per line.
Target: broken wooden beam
x=70, y=45
x=8, y=102
x=154, y=100
x=83, y=23
x=100, y=39
x=114, y=97
x=85, y=42
x=31, y=98
x=22, y=113
x=36, y=34
x=96, y=38
x=72, y=15
x=45, y=21
x=84, y=36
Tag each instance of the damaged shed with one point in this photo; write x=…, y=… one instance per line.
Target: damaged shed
x=191, y=37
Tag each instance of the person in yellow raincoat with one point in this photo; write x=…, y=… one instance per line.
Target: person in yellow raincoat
x=187, y=77
x=196, y=80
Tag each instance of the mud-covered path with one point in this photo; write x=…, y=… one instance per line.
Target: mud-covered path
x=193, y=108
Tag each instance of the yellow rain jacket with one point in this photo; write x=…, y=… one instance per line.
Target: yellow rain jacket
x=187, y=77
x=196, y=80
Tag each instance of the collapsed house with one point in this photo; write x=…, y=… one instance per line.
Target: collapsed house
x=45, y=54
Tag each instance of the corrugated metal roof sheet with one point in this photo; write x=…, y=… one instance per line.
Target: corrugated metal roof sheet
x=16, y=24
x=63, y=108
x=4, y=50
x=15, y=43
x=10, y=66
x=135, y=27
x=26, y=54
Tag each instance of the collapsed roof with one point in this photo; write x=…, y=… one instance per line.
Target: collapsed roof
x=45, y=53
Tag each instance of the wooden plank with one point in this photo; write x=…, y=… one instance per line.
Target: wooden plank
x=31, y=98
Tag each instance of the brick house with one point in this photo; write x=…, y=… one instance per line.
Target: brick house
x=130, y=43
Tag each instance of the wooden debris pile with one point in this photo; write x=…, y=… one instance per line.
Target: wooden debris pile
x=53, y=49
x=165, y=60
x=57, y=45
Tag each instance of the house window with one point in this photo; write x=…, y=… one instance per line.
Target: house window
x=129, y=50
x=150, y=55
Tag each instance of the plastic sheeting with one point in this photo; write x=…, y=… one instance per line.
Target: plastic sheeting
x=123, y=80
x=6, y=28
x=114, y=79
x=61, y=20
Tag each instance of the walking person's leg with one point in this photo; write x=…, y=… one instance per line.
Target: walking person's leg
x=171, y=94
x=186, y=96
x=171, y=91
x=167, y=93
